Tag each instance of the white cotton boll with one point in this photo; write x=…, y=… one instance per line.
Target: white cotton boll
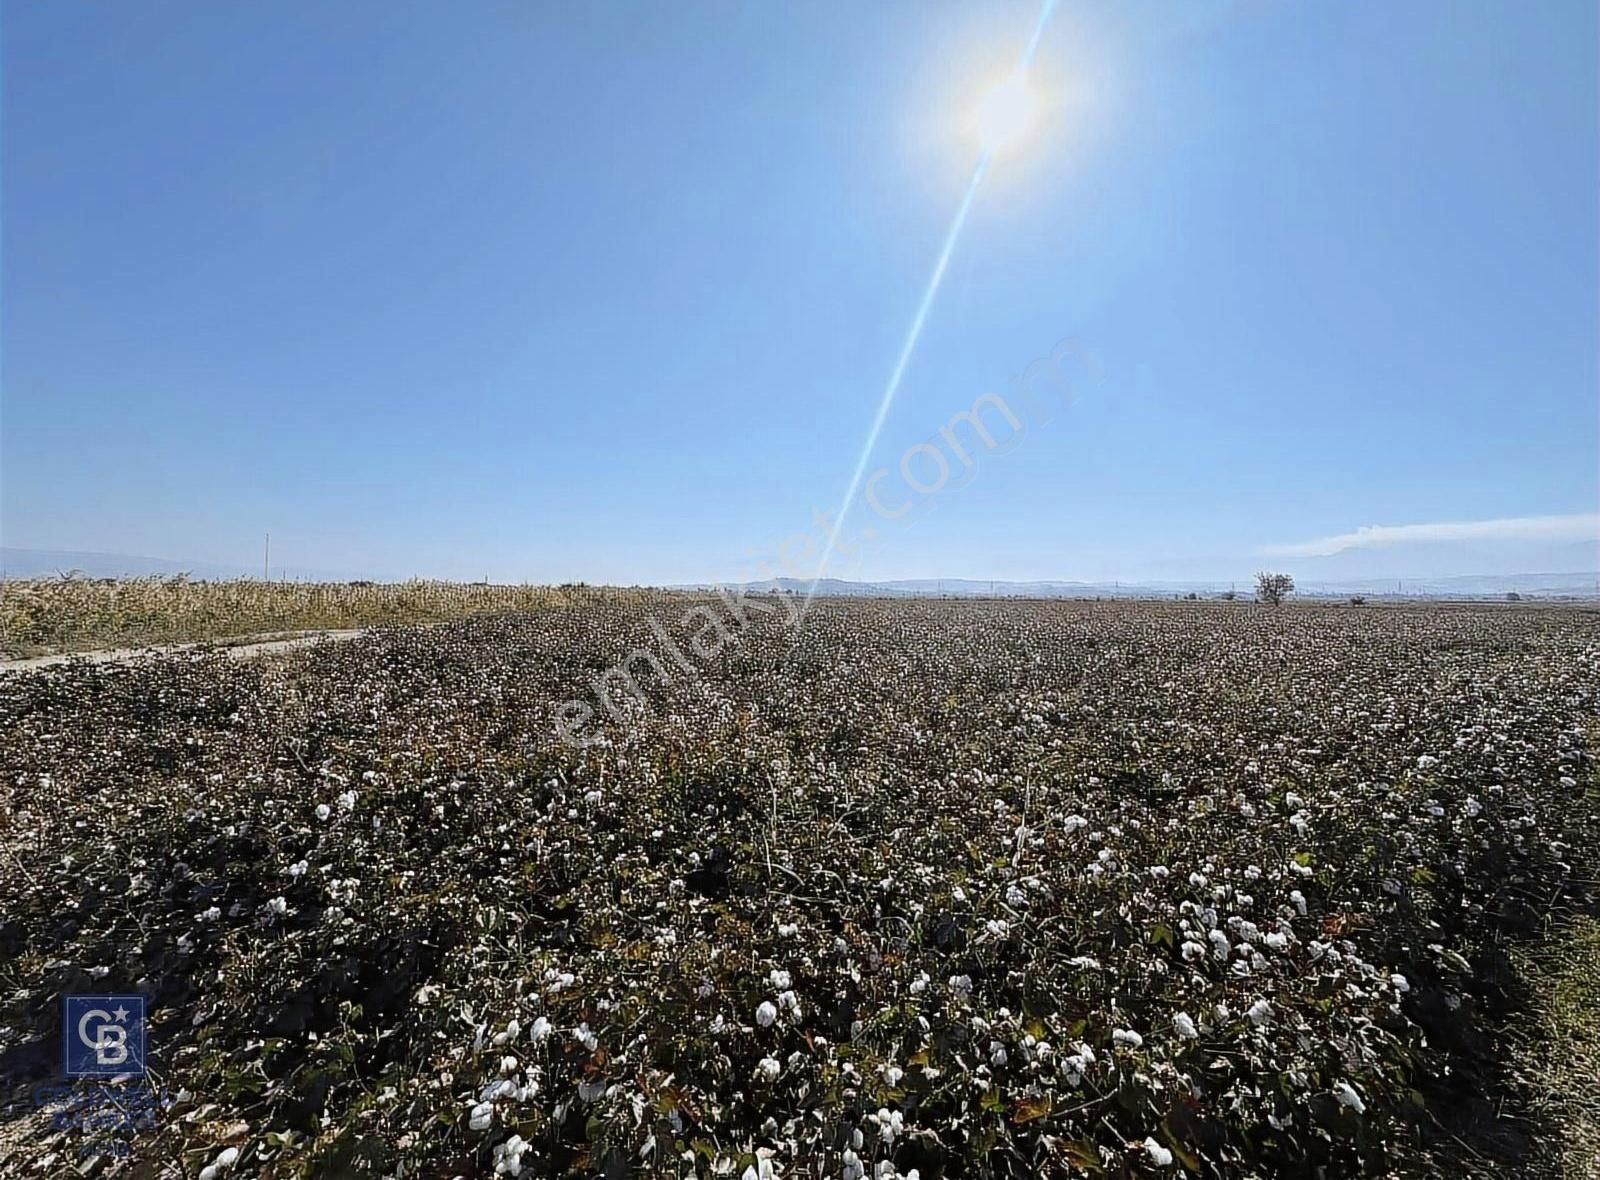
x=1276, y=941
x=1260, y=1013
x=961, y=985
x=539, y=1030
x=780, y=979
x=1159, y=1156
x=1347, y=1096
x=768, y=1069
x=298, y=869
x=788, y=930
x=766, y=1014
x=890, y=1124
x=1198, y=880
x=508, y=1156
x=1183, y=1024
x=1299, y=900
x=1126, y=1036
x=1192, y=951
x=482, y=1115
x=1401, y=983
x=323, y=811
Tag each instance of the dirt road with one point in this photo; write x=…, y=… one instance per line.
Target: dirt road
x=242, y=648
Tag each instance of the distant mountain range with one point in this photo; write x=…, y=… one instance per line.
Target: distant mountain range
x=1578, y=585
x=46, y=563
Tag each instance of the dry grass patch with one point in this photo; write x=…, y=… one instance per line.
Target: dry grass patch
x=1559, y=1048
x=50, y=615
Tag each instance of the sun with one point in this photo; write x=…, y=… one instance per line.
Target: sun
x=1005, y=115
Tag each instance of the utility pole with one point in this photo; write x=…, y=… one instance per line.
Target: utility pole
x=266, y=559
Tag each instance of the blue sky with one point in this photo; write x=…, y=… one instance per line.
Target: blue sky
x=611, y=293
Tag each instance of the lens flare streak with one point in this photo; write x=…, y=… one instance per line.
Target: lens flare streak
x=915, y=332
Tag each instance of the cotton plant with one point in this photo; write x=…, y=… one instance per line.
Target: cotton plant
x=673, y=969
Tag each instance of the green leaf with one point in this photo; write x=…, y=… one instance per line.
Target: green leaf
x=1080, y=1153
x=1180, y=1152
x=1031, y=1109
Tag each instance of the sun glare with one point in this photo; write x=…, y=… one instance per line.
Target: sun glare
x=1005, y=115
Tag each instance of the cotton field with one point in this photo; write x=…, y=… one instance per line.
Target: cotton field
x=914, y=889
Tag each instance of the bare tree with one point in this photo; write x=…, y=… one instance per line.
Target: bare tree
x=1272, y=589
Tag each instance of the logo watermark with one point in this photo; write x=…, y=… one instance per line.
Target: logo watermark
x=103, y=1036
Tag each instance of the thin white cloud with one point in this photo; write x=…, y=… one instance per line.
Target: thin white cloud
x=1580, y=526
